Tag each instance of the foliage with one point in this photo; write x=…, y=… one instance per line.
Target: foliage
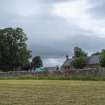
x=13, y=48
x=97, y=53
x=102, y=58
x=45, y=76
x=79, y=62
x=37, y=62
x=79, y=52
x=26, y=67
x=79, y=58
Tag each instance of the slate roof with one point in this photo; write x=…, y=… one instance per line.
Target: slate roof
x=67, y=62
x=93, y=59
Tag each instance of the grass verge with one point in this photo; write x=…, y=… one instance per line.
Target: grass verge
x=55, y=77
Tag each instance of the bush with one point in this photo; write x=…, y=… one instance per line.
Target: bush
x=79, y=62
x=102, y=59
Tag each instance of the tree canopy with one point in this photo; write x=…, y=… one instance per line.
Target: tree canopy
x=102, y=58
x=79, y=58
x=79, y=62
x=79, y=52
x=13, y=48
x=37, y=62
x=97, y=53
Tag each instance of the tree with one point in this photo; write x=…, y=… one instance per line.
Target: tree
x=79, y=62
x=79, y=52
x=13, y=48
x=97, y=53
x=79, y=58
x=102, y=58
x=37, y=62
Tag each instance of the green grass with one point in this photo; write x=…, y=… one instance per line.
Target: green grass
x=52, y=92
x=55, y=77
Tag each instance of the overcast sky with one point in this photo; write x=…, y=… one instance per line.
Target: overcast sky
x=54, y=27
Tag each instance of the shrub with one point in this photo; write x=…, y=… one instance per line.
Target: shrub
x=79, y=62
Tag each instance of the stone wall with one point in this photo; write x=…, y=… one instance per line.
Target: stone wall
x=86, y=71
x=14, y=73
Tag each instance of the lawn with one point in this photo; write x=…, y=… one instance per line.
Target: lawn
x=52, y=92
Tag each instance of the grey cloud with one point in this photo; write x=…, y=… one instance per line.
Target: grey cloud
x=98, y=8
x=61, y=48
x=49, y=35
x=53, y=1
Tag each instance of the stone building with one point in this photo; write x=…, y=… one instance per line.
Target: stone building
x=91, y=62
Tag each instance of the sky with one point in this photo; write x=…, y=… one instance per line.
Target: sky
x=55, y=27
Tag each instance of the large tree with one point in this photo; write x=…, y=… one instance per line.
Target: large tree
x=13, y=48
x=79, y=52
x=79, y=58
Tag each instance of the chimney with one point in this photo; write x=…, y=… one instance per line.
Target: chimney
x=67, y=57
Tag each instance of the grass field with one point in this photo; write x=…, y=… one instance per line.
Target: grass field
x=51, y=92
